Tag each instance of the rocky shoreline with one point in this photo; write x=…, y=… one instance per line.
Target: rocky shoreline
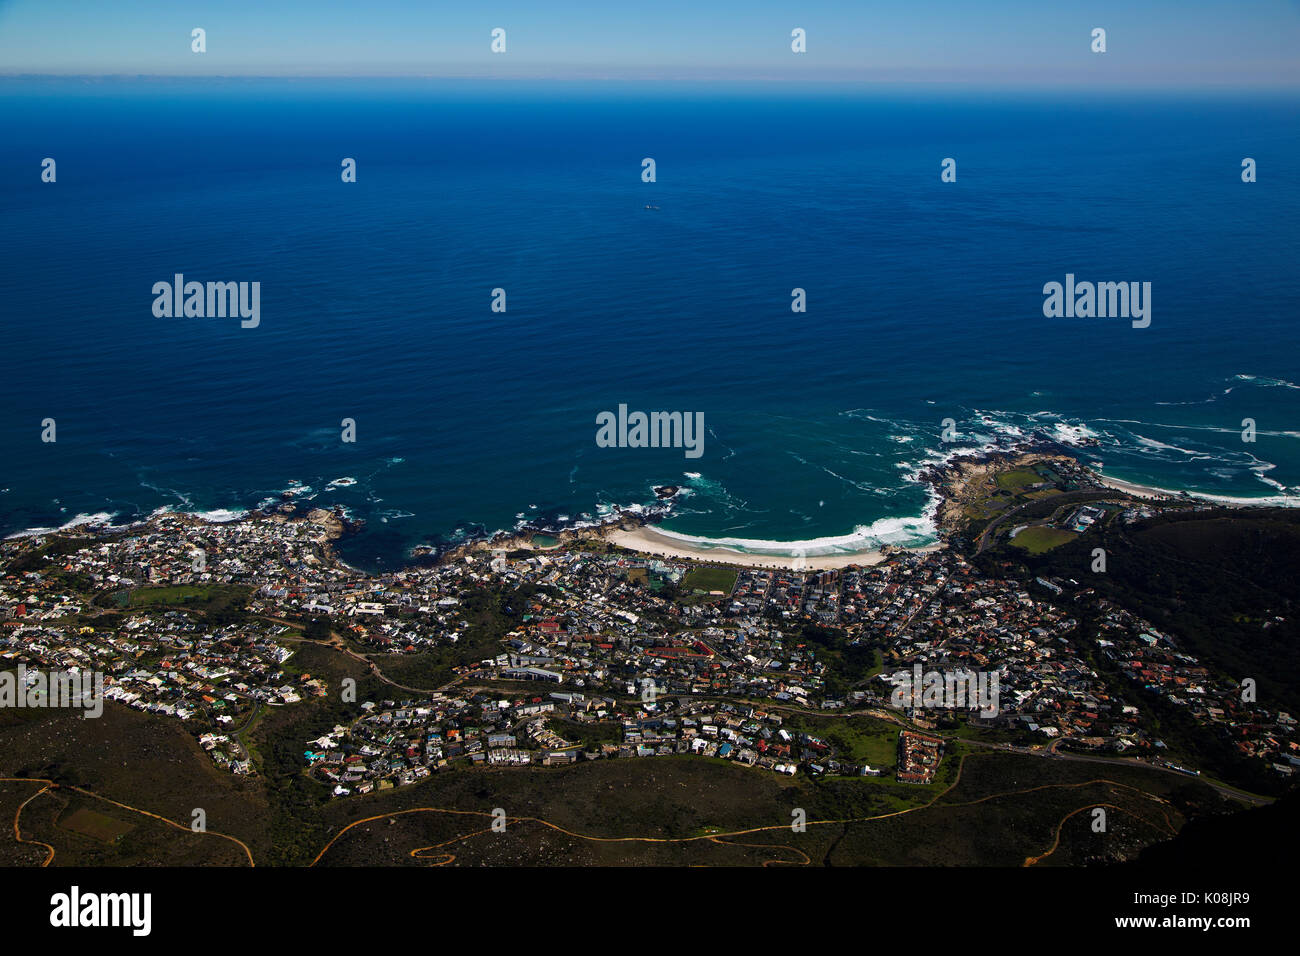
x=955, y=480
x=521, y=538
x=952, y=482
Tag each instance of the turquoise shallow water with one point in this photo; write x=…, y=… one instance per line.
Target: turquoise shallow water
x=924, y=302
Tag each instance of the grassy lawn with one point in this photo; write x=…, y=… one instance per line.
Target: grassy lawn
x=710, y=579
x=1038, y=539
x=1017, y=478
x=588, y=734
x=862, y=739
x=179, y=594
x=1040, y=495
x=984, y=510
x=218, y=601
x=223, y=594
x=877, y=667
x=97, y=825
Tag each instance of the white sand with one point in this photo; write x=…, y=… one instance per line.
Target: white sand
x=1140, y=491
x=646, y=540
x=1223, y=501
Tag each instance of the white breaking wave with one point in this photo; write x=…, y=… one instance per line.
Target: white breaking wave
x=1277, y=501
x=1073, y=434
x=1162, y=446
x=1264, y=381
x=98, y=518
x=900, y=532
x=220, y=515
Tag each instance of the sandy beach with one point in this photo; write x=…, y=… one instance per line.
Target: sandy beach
x=965, y=479
x=1138, y=491
x=1224, y=501
x=646, y=540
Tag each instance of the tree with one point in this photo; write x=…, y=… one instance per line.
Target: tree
x=317, y=628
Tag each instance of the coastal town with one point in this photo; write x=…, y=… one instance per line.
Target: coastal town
x=606, y=653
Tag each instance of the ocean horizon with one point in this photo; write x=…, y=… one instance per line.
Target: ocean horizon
x=924, y=334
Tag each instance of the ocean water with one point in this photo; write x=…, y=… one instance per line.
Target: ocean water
x=924, y=300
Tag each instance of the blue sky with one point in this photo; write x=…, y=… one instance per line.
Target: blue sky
x=1030, y=44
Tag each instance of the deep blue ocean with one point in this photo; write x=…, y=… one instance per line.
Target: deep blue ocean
x=924, y=299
